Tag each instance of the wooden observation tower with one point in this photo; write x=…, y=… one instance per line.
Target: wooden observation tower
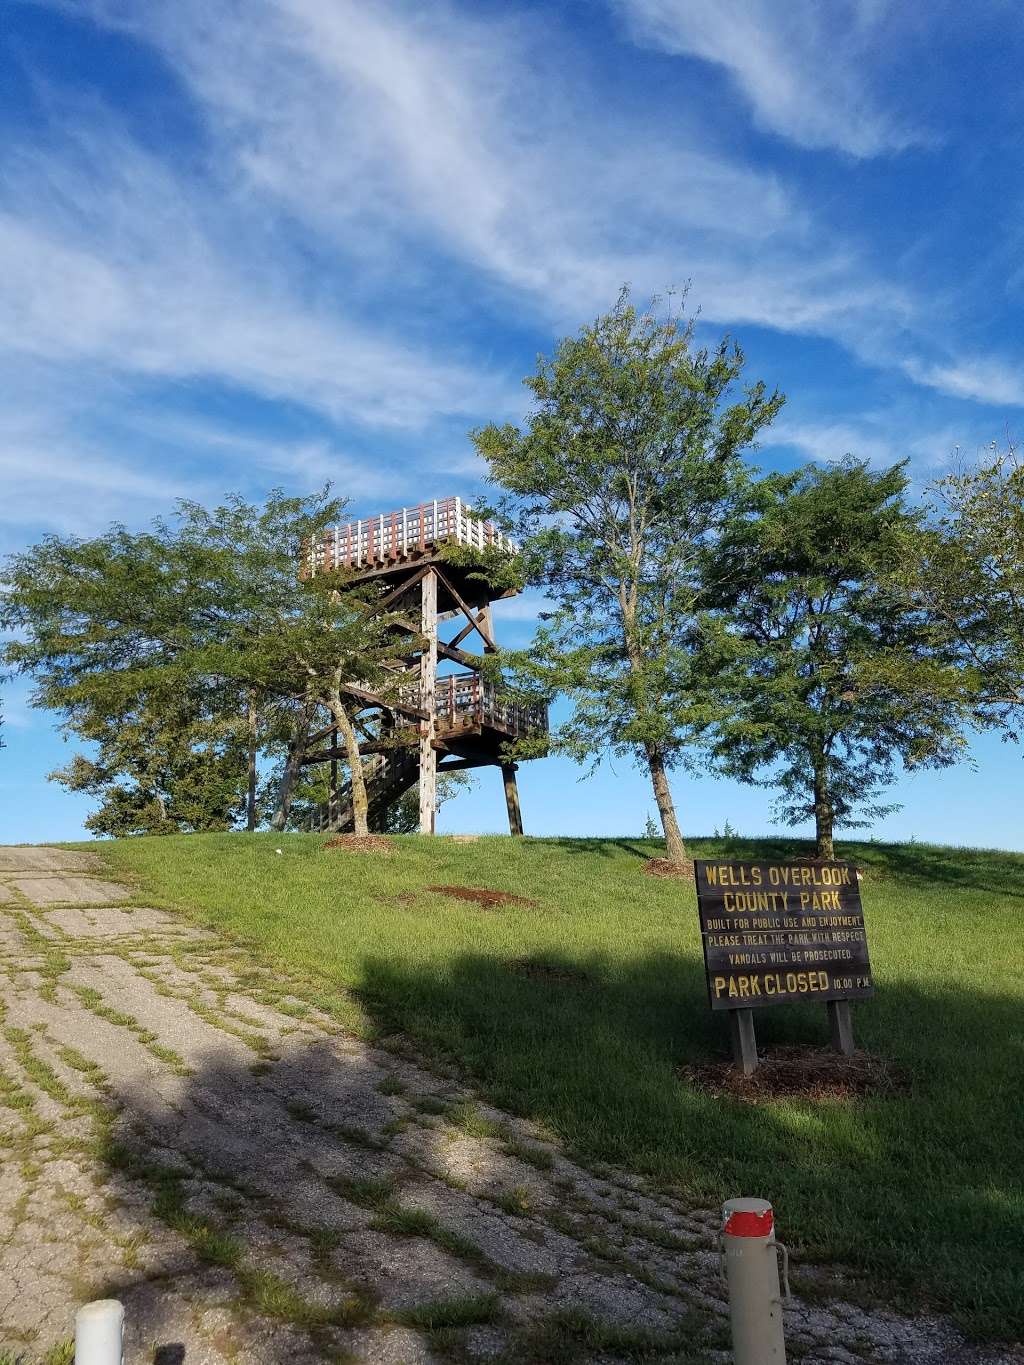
x=446, y=716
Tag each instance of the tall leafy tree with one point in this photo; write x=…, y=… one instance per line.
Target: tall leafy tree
x=163, y=764
x=630, y=465
x=183, y=651
x=965, y=568
x=827, y=681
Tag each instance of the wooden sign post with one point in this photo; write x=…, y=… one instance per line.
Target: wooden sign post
x=777, y=932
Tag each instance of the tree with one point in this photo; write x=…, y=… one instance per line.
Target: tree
x=183, y=651
x=291, y=645
x=164, y=765
x=629, y=467
x=826, y=680
x=966, y=570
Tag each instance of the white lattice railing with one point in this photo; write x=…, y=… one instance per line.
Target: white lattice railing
x=462, y=699
x=392, y=535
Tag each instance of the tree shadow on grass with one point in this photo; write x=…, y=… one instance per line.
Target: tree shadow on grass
x=915, y=865
x=913, y=1190
x=912, y=864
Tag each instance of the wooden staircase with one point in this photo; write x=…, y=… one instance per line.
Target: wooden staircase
x=388, y=776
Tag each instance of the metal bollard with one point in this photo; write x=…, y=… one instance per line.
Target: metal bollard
x=99, y=1333
x=752, y=1271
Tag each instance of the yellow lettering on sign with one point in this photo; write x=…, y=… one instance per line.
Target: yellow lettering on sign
x=712, y=875
x=720, y=985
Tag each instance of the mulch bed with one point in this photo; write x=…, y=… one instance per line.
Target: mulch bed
x=359, y=843
x=481, y=896
x=813, y=1073
x=662, y=867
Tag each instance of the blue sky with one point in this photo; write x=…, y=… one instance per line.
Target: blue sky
x=247, y=243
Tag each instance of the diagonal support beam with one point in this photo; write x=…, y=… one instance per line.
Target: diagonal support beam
x=476, y=621
x=396, y=593
x=369, y=699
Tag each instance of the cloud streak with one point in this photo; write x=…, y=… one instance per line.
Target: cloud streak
x=114, y=261
x=379, y=187
x=804, y=68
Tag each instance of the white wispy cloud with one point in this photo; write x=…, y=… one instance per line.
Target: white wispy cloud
x=54, y=479
x=400, y=134
x=804, y=67
x=389, y=122
x=115, y=260
x=984, y=379
x=375, y=181
x=883, y=437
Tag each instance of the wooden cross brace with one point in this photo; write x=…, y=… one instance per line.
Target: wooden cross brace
x=475, y=620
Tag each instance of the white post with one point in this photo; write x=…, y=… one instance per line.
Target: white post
x=428, y=701
x=752, y=1269
x=99, y=1333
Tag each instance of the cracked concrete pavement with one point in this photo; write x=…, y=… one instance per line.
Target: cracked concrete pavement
x=182, y=1128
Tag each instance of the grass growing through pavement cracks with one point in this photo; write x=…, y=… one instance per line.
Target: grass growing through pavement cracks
x=579, y=1011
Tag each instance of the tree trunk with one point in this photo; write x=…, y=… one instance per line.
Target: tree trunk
x=823, y=814
x=250, y=798
x=292, y=767
x=357, y=782
x=674, y=846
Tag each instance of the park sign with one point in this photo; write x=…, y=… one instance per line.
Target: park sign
x=778, y=932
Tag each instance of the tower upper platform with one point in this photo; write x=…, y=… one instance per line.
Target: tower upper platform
x=402, y=536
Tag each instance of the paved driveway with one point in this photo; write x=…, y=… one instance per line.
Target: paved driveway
x=182, y=1128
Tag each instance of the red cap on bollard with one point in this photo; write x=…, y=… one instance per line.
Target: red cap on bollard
x=749, y=1224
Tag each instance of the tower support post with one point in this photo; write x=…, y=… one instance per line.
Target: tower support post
x=332, y=792
x=428, y=690
x=515, y=816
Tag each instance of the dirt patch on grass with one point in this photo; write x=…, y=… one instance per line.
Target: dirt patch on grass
x=479, y=895
x=359, y=843
x=560, y=973
x=813, y=1073
x=663, y=867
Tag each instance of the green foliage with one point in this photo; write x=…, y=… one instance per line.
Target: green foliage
x=826, y=679
x=625, y=475
x=183, y=651
x=502, y=571
x=966, y=569
x=160, y=768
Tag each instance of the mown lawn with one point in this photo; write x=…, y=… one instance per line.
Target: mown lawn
x=923, y=1193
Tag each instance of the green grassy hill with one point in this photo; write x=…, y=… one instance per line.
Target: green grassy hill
x=579, y=1010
